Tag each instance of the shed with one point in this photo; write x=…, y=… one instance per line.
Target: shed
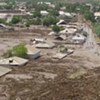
x=61, y=37
x=13, y=61
x=44, y=12
x=38, y=40
x=32, y=52
x=45, y=45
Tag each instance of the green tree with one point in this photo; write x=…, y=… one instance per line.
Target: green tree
x=89, y=16
x=36, y=14
x=54, y=12
x=56, y=28
x=16, y=19
x=50, y=20
x=2, y=21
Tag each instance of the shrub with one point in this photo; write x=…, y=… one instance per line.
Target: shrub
x=19, y=50
x=56, y=28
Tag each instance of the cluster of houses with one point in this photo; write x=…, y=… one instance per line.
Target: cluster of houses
x=71, y=32
x=54, y=44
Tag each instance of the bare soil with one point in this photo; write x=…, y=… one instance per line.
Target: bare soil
x=76, y=77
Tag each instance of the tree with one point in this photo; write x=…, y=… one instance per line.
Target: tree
x=89, y=16
x=54, y=12
x=36, y=14
x=27, y=24
x=56, y=28
x=16, y=19
x=50, y=20
x=2, y=21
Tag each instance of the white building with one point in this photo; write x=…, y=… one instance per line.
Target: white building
x=97, y=14
x=45, y=45
x=62, y=13
x=44, y=13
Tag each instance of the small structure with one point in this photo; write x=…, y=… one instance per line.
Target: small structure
x=61, y=37
x=62, y=23
x=52, y=33
x=2, y=26
x=68, y=31
x=32, y=52
x=4, y=70
x=38, y=40
x=97, y=14
x=60, y=55
x=13, y=61
x=45, y=45
x=79, y=39
x=44, y=13
x=67, y=14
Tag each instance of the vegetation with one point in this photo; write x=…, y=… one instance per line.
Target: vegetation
x=49, y=20
x=16, y=19
x=97, y=29
x=19, y=50
x=56, y=28
x=36, y=14
x=89, y=16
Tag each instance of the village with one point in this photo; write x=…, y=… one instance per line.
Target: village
x=47, y=55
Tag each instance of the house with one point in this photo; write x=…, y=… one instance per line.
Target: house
x=44, y=13
x=61, y=37
x=38, y=40
x=78, y=39
x=3, y=15
x=13, y=61
x=68, y=31
x=62, y=23
x=46, y=45
x=97, y=16
x=4, y=70
x=60, y=55
x=67, y=14
x=32, y=52
x=2, y=26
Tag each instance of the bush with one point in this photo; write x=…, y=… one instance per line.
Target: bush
x=97, y=29
x=89, y=16
x=36, y=14
x=50, y=20
x=16, y=19
x=56, y=28
x=19, y=50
